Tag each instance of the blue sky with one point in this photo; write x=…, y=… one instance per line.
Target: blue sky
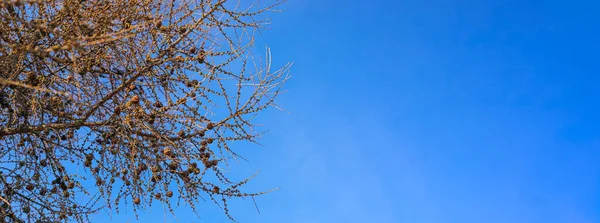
x=429, y=112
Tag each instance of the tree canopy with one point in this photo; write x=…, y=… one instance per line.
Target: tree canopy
x=126, y=102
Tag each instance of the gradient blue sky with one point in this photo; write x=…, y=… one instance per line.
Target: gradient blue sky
x=429, y=111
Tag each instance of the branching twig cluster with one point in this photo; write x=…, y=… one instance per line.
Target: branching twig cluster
x=137, y=101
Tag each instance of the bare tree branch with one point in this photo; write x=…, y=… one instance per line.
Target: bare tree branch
x=142, y=99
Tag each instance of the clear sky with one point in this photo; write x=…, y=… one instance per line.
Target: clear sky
x=429, y=111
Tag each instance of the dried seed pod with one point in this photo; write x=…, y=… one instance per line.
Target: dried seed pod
x=167, y=152
x=89, y=156
x=36, y=177
x=204, y=156
x=169, y=194
x=201, y=56
x=142, y=167
x=173, y=165
x=43, y=192
x=117, y=110
x=151, y=119
x=185, y=173
x=134, y=100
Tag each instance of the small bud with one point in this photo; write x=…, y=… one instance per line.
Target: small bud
x=135, y=99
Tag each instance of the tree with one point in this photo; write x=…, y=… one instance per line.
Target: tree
x=126, y=102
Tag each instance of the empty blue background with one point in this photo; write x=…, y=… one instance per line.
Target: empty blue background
x=428, y=111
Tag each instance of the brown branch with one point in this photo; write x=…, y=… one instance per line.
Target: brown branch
x=54, y=126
